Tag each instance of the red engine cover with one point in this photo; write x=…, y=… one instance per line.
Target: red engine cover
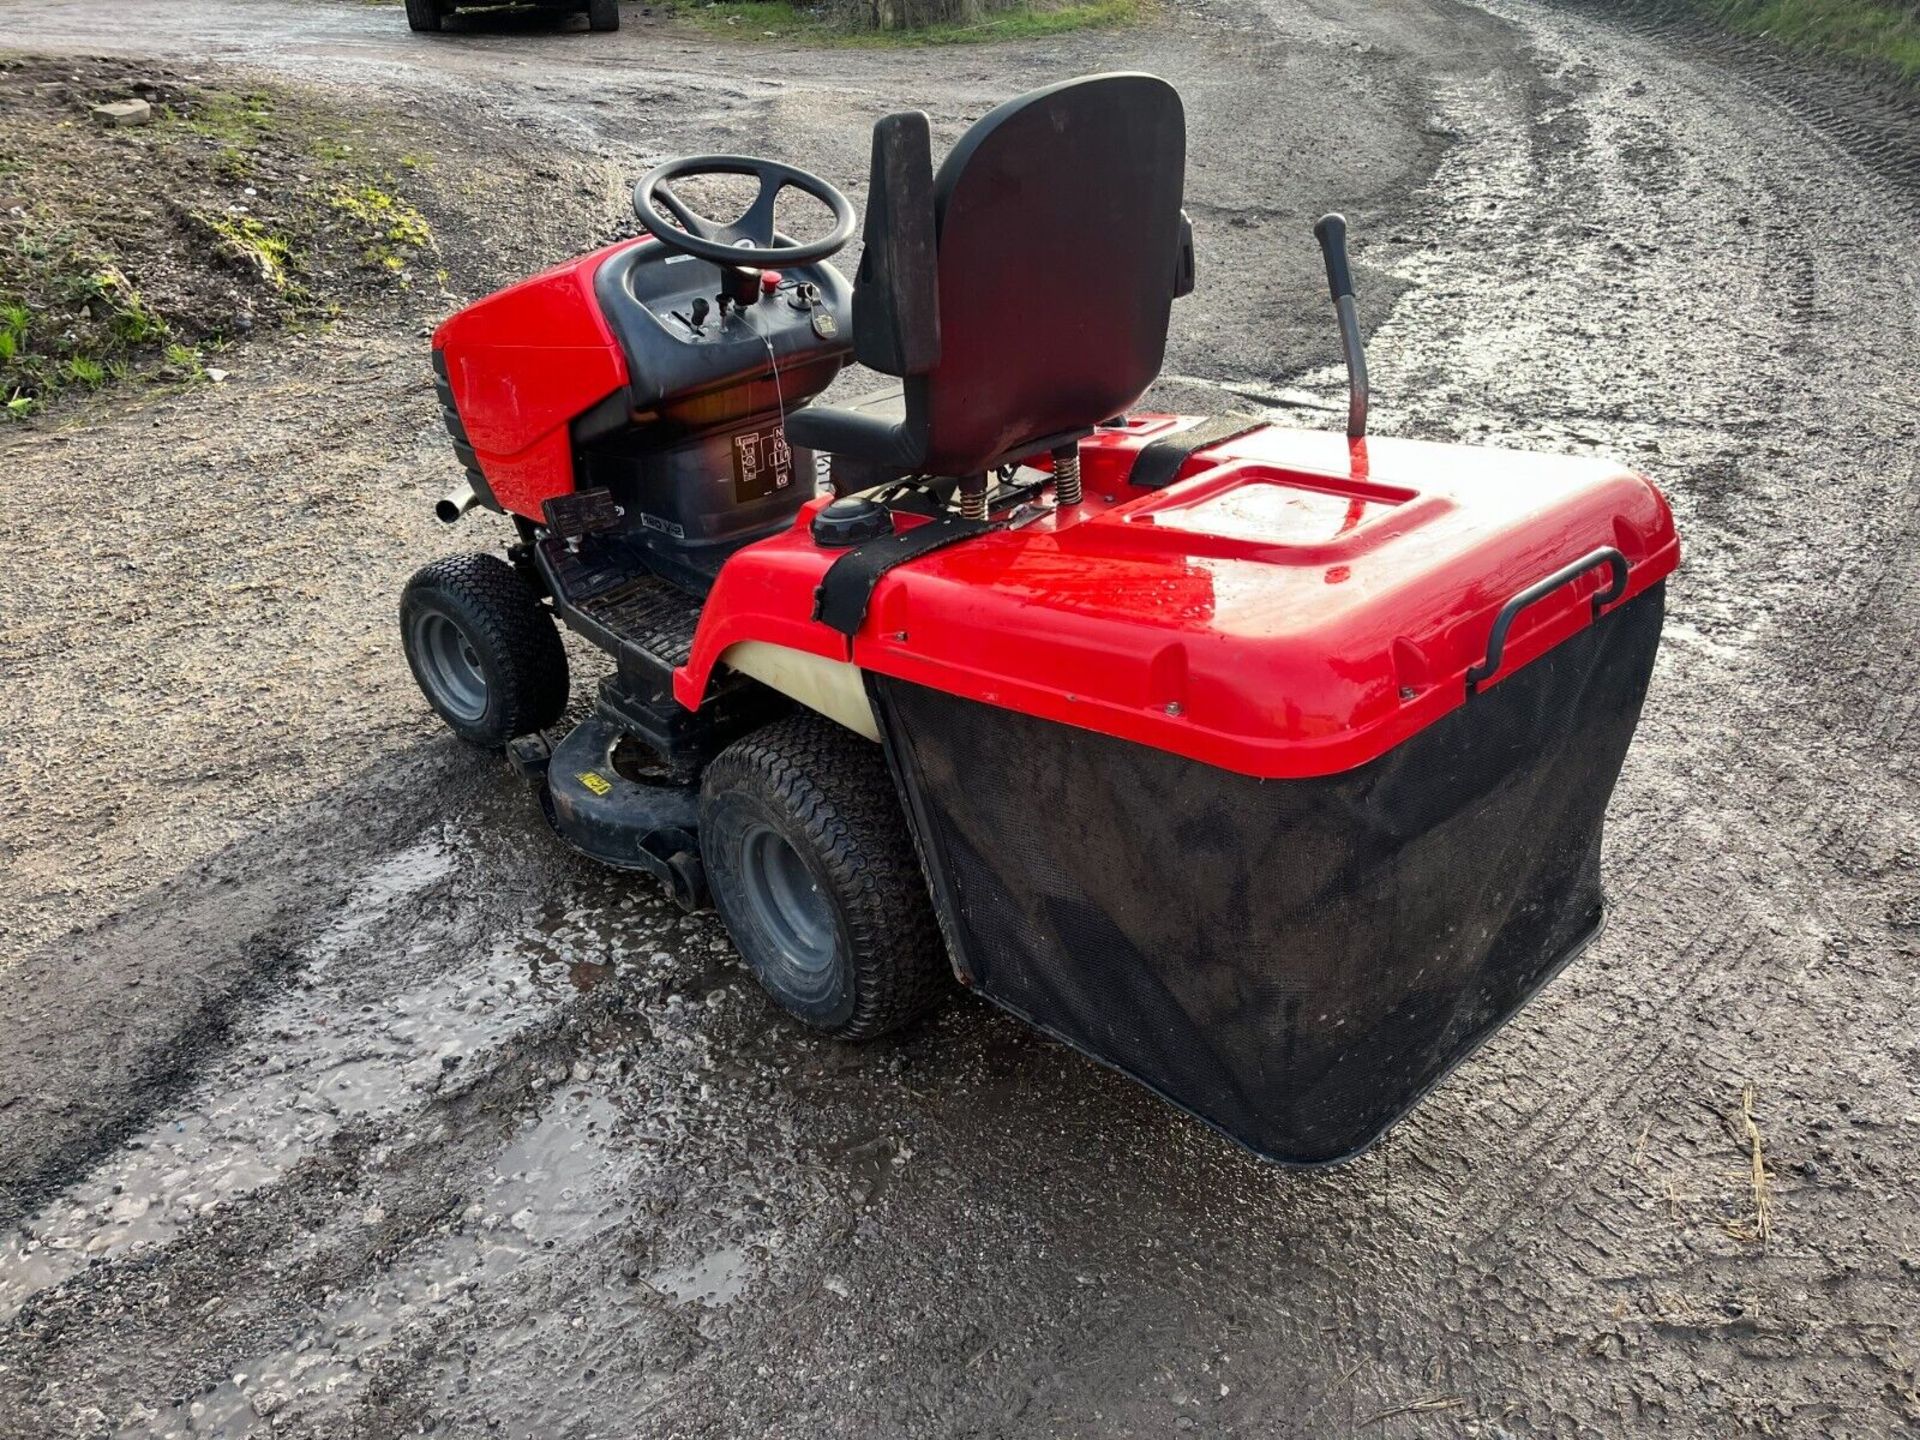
x=1291, y=606
x=523, y=364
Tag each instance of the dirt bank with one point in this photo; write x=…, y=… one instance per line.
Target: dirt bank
x=136, y=250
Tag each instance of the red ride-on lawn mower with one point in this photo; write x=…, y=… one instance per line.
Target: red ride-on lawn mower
x=1266, y=766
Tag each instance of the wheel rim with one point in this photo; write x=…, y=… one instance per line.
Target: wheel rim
x=450, y=667
x=788, y=905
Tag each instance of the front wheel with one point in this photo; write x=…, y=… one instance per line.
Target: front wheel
x=486, y=656
x=423, y=14
x=603, y=14
x=811, y=866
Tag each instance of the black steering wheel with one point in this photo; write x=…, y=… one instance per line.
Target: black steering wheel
x=750, y=240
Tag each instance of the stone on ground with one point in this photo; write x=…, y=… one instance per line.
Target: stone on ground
x=122, y=112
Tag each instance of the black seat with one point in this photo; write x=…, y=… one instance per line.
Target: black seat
x=1023, y=294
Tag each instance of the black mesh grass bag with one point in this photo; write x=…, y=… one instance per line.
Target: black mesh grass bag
x=1295, y=962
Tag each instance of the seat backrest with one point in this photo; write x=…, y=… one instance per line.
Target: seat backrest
x=1057, y=230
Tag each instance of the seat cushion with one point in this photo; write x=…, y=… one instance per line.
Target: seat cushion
x=867, y=439
x=872, y=428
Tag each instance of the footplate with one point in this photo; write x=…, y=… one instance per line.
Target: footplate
x=582, y=512
x=648, y=614
x=644, y=620
x=648, y=625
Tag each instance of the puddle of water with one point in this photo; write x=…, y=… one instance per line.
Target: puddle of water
x=649, y=1147
x=542, y=1197
x=547, y=1184
x=1679, y=632
x=305, y=1067
x=392, y=879
x=712, y=1280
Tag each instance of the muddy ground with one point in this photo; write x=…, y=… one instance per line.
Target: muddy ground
x=336, y=1099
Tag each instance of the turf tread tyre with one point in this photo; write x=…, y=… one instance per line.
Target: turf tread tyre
x=423, y=15
x=522, y=657
x=829, y=792
x=603, y=14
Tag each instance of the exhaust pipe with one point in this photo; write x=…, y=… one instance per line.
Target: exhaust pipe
x=1331, y=232
x=455, y=503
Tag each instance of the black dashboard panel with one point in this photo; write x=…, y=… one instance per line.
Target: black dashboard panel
x=724, y=367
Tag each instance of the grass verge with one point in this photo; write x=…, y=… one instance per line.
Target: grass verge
x=779, y=19
x=1884, y=36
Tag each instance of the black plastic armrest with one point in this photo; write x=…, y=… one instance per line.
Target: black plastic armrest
x=881, y=439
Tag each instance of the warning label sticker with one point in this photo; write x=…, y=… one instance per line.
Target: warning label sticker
x=762, y=464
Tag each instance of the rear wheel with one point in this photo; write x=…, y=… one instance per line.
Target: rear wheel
x=423, y=14
x=811, y=866
x=486, y=656
x=603, y=14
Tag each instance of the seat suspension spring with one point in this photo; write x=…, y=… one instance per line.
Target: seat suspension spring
x=1066, y=475
x=973, y=497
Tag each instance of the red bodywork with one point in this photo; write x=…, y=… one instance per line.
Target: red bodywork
x=523, y=364
x=1293, y=605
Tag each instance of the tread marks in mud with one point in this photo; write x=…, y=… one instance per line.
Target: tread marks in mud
x=1721, y=810
x=1876, y=120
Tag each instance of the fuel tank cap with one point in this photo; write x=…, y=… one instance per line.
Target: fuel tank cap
x=851, y=520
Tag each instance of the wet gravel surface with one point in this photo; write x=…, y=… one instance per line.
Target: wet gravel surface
x=336, y=1099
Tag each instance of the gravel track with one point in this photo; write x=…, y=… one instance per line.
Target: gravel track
x=336, y=1100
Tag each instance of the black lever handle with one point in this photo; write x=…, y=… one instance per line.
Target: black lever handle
x=1331, y=232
